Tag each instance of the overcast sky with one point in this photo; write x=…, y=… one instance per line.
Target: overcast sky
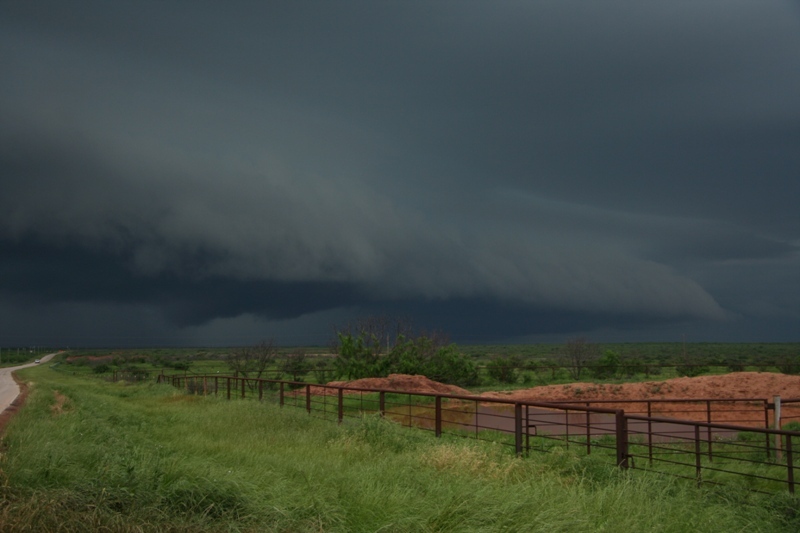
x=201, y=173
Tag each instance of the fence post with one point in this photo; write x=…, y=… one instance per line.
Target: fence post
x=280, y=395
x=382, y=403
x=708, y=432
x=260, y=390
x=697, y=462
x=588, y=431
x=622, y=438
x=229, y=388
x=244, y=381
x=438, y=416
x=776, y=424
x=766, y=425
x=649, y=432
x=216, y=385
x=308, y=398
x=789, y=463
x=341, y=405
x=518, y=428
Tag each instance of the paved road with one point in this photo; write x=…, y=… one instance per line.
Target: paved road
x=9, y=390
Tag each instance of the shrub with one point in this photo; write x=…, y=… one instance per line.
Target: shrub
x=690, y=370
x=606, y=367
x=504, y=369
x=296, y=365
x=448, y=365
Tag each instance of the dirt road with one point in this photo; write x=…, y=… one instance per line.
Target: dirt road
x=9, y=390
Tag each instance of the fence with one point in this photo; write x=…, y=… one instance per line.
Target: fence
x=708, y=452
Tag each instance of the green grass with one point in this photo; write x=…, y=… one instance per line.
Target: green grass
x=116, y=457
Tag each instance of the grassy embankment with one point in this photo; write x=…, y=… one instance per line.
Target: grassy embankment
x=85, y=454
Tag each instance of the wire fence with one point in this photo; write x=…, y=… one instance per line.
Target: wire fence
x=706, y=451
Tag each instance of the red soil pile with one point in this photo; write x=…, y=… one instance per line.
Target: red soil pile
x=738, y=385
x=735, y=385
x=396, y=382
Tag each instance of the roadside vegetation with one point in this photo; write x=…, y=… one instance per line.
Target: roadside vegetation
x=87, y=454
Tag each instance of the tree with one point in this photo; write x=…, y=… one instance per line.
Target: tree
x=377, y=348
x=296, y=365
x=577, y=354
x=607, y=366
x=504, y=369
x=252, y=361
x=448, y=365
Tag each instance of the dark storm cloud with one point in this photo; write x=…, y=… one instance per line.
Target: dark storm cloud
x=530, y=167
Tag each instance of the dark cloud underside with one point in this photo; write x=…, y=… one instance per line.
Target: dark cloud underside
x=499, y=170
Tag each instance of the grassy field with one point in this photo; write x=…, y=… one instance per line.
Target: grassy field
x=85, y=454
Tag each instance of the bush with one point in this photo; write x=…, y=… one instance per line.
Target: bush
x=788, y=365
x=607, y=366
x=448, y=365
x=101, y=369
x=362, y=356
x=296, y=365
x=690, y=370
x=504, y=369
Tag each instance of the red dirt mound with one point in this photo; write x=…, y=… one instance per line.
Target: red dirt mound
x=735, y=385
x=398, y=382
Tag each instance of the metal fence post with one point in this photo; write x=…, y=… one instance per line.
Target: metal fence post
x=341, y=405
x=649, y=432
x=776, y=424
x=244, y=381
x=697, y=460
x=438, y=416
x=588, y=430
x=622, y=438
x=280, y=395
x=789, y=463
x=766, y=425
x=518, y=428
x=708, y=419
x=229, y=388
x=308, y=398
x=260, y=390
x=382, y=403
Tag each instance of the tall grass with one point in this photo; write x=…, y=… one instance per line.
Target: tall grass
x=89, y=455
